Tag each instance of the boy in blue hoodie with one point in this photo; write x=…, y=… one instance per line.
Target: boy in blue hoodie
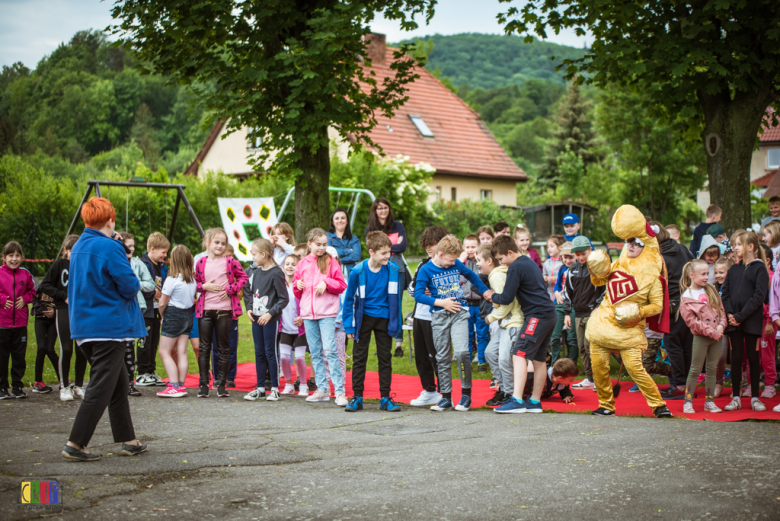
x=372, y=304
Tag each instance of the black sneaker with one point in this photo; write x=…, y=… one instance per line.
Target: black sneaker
x=268, y=385
x=133, y=391
x=133, y=450
x=222, y=392
x=399, y=352
x=203, y=392
x=672, y=391
x=41, y=388
x=4, y=394
x=231, y=384
x=601, y=411
x=311, y=384
x=297, y=384
x=482, y=368
x=17, y=393
x=76, y=454
x=662, y=412
x=497, y=399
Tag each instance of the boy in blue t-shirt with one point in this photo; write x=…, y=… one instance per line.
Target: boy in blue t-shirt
x=449, y=317
x=372, y=303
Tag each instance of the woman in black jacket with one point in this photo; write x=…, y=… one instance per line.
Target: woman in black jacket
x=745, y=291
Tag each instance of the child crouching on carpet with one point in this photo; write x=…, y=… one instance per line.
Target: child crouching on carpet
x=559, y=378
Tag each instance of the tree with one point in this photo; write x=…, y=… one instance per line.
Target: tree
x=711, y=65
x=288, y=70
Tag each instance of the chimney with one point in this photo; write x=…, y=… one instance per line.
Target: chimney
x=375, y=50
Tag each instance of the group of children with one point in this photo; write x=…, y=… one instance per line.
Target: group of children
x=487, y=299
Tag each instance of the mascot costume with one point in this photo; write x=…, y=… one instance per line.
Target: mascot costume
x=636, y=293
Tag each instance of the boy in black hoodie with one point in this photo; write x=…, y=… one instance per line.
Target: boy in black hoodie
x=146, y=349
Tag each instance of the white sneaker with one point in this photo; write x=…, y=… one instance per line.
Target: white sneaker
x=318, y=396
x=711, y=407
x=777, y=408
x=757, y=406
x=158, y=381
x=735, y=404
x=304, y=391
x=255, y=395
x=66, y=394
x=341, y=400
x=273, y=396
x=78, y=392
x=585, y=384
x=288, y=389
x=426, y=398
x=746, y=392
x=768, y=392
x=688, y=408
x=145, y=380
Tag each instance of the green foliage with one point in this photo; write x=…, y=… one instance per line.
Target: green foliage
x=464, y=217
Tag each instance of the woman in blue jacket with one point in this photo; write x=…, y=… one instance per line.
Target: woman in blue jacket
x=341, y=238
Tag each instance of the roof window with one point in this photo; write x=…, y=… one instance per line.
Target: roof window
x=421, y=126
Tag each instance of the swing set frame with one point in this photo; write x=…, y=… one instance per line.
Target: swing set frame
x=356, y=193
x=94, y=184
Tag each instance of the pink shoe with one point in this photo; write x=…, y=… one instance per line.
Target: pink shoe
x=172, y=392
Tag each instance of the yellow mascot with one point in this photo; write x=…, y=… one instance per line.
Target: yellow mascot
x=635, y=292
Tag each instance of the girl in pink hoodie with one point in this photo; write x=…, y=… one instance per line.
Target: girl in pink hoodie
x=318, y=282
x=703, y=313
x=17, y=290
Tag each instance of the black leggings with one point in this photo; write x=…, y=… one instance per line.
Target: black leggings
x=66, y=351
x=45, y=338
x=741, y=342
x=214, y=323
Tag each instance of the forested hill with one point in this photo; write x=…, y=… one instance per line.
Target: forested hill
x=487, y=61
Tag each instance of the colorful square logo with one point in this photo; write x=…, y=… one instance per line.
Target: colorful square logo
x=40, y=493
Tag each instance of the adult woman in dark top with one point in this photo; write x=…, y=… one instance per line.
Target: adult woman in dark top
x=341, y=238
x=380, y=218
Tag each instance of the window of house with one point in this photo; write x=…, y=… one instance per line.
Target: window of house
x=253, y=142
x=421, y=126
x=437, y=194
x=486, y=195
x=454, y=193
x=773, y=158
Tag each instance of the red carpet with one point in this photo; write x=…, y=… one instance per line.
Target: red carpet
x=406, y=388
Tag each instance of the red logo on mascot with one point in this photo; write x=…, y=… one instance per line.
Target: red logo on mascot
x=621, y=285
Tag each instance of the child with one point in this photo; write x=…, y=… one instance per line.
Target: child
x=522, y=237
x=55, y=285
x=571, y=226
x=176, y=306
x=318, y=282
x=301, y=250
x=283, y=239
x=45, y=338
x=500, y=228
x=771, y=236
x=371, y=304
x=722, y=267
x=713, y=215
x=582, y=297
x=422, y=331
x=559, y=298
x=674, y=232
x=717, y=232
x=744, y=292
x=768, y=339
x=774, y=211
x=558, y=379
x=233, y=343
x=292, y=336
x=485, y=235
x=147, y=285
x=220, y=280
x=703, y=312
x=473, y=298
x=17, y=290
x=265, y=297
x=340, y=336
x=709, y=252
x=449, y=320
x=157, y=247
x=509, y=320
x=554, y=262
x=526, y=284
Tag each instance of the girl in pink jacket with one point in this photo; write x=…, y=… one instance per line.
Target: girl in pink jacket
x=318, y=282
x=703, y=313
x=17, y=290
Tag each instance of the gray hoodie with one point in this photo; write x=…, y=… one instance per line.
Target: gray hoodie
x=706, y=242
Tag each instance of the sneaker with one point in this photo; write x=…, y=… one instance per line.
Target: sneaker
x=718, y=391
x=158, y=381
x=231, y=384
x=66, y=394
x=203, y=392
x=132, y=391
x=768, y=392
x=688, y=408
x=735, y=404
x=757, y=406
x=172, y=392
x=41, y=388
x=511, y=406
x=494, y=384
x=533, y=407
x=711, y=407
x=255, y=395
x=273, y=396
x=585, y=384
x=288, y=389
x=634, y=389
x=17, y=393
x=222, y=392
x=297, y=384
x=4, y=394
x=662, y=412
x=497, y=399
x=445, y=404
x=78, y=392
x=671, y=391
x=355, y=404
x=426, y=398
x=482, y=368
x=304, y=391
x=776, y=408
x=399, y=352
x=319, y=396
x=268, y=385
x=747, y=392
x=601, y=411
x=341, y=400
x=145, y=380
x=387, y=404
x=311, y=384
x=464, y=404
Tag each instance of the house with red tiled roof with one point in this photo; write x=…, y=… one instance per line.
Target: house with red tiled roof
x=434, y=127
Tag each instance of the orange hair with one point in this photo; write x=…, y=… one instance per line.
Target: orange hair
x=97, y=212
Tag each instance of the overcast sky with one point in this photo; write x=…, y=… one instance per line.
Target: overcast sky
x=31, y=29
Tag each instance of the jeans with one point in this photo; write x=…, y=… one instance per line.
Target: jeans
x=571, y=337
x=499, y=358
x=321, y=335
x=482, y=330
x=214, y=323
x=265, y=352
x=231, y=374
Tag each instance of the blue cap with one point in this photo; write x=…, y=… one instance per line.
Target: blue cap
x=570, y=218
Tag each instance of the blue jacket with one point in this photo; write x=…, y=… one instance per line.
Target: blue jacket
x=354, y=298
x=159, y=272
x=102, y=290
x=348, y=250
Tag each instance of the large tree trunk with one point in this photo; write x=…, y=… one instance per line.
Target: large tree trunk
x=312, y=200
x=729, y=135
